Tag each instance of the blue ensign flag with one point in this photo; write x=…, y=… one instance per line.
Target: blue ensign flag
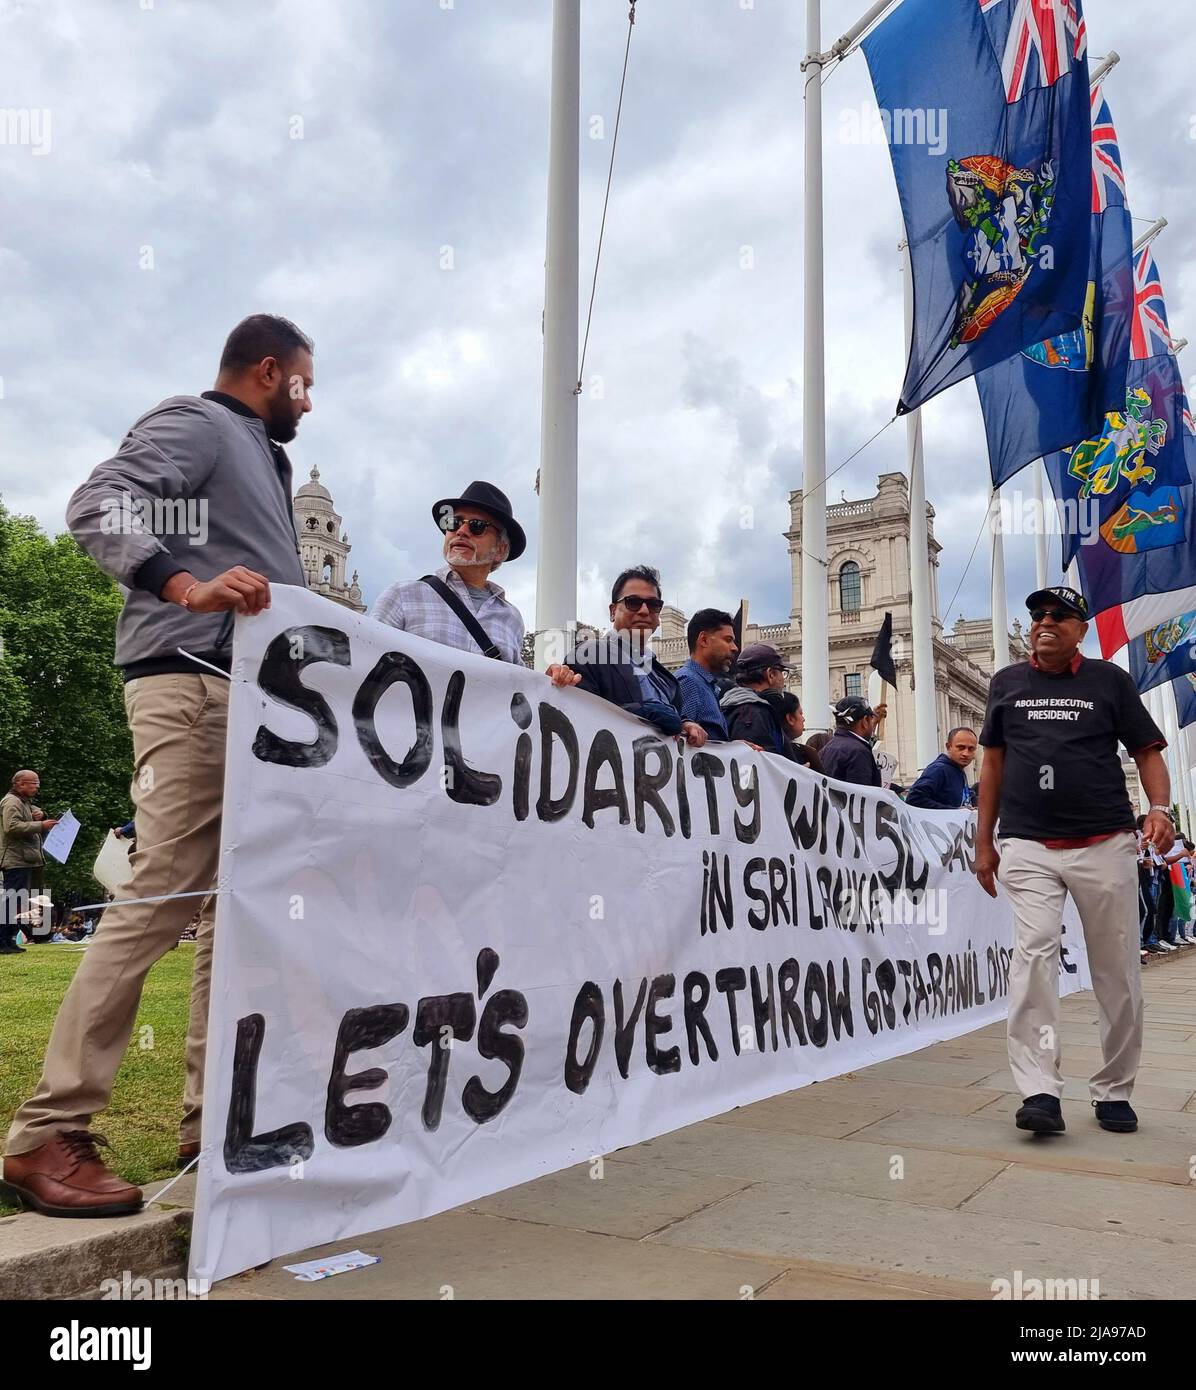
x=986, y=108
x=1185, y=700
x=1166, y=652
x=1141, y=537
x=1056, y=393
x=1121, y=491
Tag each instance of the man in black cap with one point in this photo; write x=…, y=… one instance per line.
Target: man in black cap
x=460, y=605
x=848, y=756
x=1052, y=776
x=750, y=712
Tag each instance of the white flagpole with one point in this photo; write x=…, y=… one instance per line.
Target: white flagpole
x=1040, y=540
x=1150, y=233
x=1185, y=744
x=1110, y=62
x=999, y=605
x=1171, y=733
x=556, y=570
x=815, y=645
x=926, y=730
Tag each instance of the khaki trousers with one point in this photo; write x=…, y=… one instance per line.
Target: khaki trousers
x=1103, y=882
x=178, y=724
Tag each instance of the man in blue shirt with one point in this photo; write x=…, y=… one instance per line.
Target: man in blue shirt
x=712, y=652
x=943, y=786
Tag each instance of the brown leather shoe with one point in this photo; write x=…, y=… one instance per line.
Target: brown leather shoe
x=67, y=1177
x=187, y=1151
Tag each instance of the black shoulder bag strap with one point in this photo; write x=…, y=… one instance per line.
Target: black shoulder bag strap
x=468, y=621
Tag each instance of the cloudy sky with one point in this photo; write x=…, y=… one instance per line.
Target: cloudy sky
x=172, y=197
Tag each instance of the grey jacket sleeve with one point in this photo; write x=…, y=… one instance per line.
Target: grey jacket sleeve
x=168, y=454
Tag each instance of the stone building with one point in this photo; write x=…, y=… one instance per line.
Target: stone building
x=323, y=546
x=869, y=563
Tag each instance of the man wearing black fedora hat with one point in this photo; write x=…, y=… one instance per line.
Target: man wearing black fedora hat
x=460, y=605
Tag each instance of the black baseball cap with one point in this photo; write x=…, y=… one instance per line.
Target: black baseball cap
x=851, y=708
x=1070, y=600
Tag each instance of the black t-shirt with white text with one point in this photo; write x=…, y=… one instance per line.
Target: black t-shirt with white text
x=1063, y=777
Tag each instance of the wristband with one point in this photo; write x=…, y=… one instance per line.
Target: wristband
x=185, y=601
x=1166, y=810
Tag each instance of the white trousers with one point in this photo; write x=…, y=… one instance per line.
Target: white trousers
x=1103, y=882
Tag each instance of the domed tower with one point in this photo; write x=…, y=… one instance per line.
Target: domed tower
x=323, y=546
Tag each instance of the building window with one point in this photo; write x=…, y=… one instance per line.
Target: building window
x=852, y=684
x=850, y=593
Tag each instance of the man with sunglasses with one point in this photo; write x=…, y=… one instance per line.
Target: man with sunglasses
x=619, y=666
x=1052, y=777
x=460, y=605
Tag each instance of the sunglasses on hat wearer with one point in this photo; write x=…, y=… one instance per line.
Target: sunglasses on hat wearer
x=1057, y=615
x=633, y=603
x=477, y=525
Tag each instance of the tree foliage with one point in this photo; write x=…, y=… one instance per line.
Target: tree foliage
x=61, y=704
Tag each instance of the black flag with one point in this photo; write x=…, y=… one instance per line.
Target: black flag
x=882, y=653
x=737, y=625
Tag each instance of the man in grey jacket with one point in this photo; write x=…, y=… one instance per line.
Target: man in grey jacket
x=193, y=517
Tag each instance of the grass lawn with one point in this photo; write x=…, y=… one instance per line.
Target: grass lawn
x=142, y=1123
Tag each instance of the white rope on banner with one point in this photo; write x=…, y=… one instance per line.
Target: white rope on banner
x=182, y=1174
x=161, y=898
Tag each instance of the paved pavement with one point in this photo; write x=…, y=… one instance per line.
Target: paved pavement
x=904, y=1180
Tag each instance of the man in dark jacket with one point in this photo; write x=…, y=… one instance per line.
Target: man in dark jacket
x=192, y=515
x=750, y=714
x=944, y=784
x=848, y=756
x=620, y=667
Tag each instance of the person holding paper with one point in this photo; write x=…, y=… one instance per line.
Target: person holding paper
x=22, y=826
x=193, y=515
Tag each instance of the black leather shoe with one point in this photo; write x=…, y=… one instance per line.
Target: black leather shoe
x=1117, y=1115
x=1041, y=1115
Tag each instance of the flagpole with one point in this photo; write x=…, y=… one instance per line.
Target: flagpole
x=926, y=730
x=1185, y=743
x=815, y=645
x=999, y=605
x=839, y=48
x=1040, y=540
x=1180, y=764
x=1110, y=62
x=556, y=570
x=1171, y=733
x=1149, y=234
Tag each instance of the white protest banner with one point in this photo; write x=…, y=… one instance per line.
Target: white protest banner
x=475, y=929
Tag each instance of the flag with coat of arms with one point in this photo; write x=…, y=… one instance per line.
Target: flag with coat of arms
x=997, y=210
x=1056, y=393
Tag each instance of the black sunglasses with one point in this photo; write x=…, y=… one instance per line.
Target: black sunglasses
x=634, y=603
x=1055, y=614
x=477, y=525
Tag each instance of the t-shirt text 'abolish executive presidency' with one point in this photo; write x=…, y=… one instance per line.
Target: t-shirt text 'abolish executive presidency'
x=1060, y=733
